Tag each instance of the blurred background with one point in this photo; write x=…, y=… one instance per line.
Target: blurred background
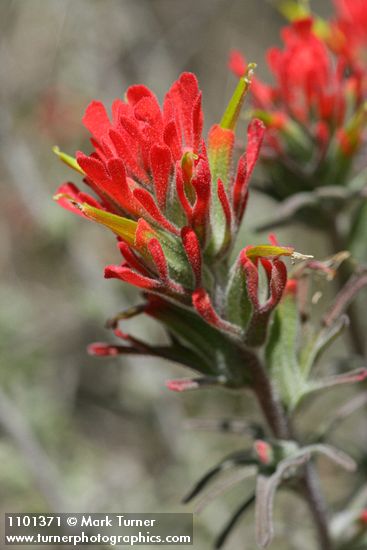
x=88, y=434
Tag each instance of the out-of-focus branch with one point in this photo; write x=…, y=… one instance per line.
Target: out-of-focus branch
x=42, y=468
x=341, y=414
x=345, y=296
x=345, y=281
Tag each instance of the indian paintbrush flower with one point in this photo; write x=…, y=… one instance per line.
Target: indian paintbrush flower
x=347, y=35
x=175, y=202
x=314, y=112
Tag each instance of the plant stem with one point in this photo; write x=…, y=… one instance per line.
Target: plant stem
x=316, y=504
x=268, y=400
x=279, y=423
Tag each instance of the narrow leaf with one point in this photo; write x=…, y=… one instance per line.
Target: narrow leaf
x=336, y=455
x=281, y=351
x=222, y=537
x=265, y=493
x=320, y=343
x=351, y=377
x=238, y=305
x=234, y=459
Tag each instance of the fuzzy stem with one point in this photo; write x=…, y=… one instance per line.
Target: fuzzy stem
x=316, y=503
x=280, y=425
x=270, y=405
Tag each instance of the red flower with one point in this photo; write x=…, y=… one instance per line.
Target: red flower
x=363, y=517
x=310, y=88
x=348, y=36
x=175, y=203
x=308, y=85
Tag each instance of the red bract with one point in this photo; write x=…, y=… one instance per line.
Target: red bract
x=174, y=203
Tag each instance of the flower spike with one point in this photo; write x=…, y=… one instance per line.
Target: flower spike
x=171, y=198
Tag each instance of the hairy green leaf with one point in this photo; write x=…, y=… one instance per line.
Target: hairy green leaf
x=281, y=352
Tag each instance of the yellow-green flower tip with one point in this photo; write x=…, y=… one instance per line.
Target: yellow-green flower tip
x=232, y=112
x=67, y=159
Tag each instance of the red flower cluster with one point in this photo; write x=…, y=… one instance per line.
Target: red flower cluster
x=173, y=201
x=312, y=96
x=348, y=36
